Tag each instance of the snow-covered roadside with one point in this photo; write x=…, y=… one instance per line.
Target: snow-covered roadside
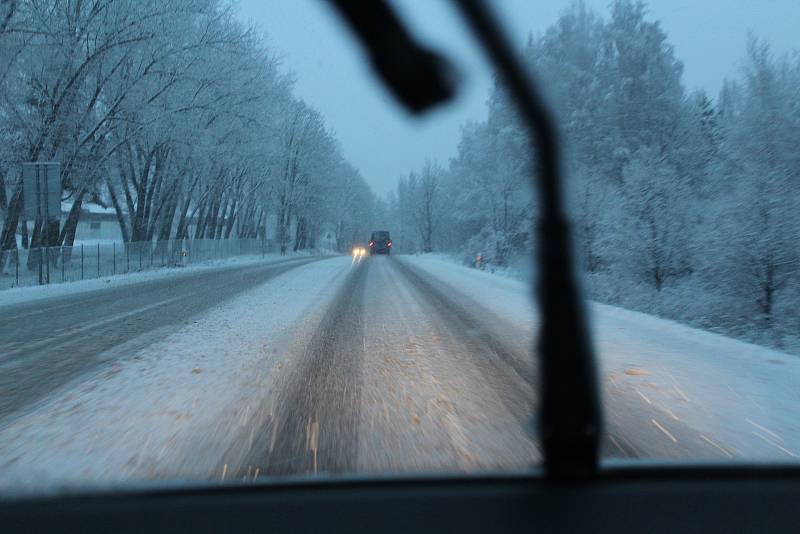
x=745, y=395
x=172, y=409
x=33, y=293
x=504, y=296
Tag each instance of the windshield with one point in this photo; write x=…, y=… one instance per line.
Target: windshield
x=227, y=254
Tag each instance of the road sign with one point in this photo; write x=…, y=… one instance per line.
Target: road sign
x=42, y=189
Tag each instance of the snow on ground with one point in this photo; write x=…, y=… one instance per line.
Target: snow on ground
x=504, y=296
x=173, y=408
x=18, y=295
x=745, y=395
x=170, y=409
x=87, y=207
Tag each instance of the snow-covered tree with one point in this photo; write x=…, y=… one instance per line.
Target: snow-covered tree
x=682, y=206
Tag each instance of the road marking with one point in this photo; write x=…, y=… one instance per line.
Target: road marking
x=41, y=310
x=664, y=430
x=70, y=334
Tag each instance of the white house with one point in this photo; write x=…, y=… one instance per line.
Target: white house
x=96, y=223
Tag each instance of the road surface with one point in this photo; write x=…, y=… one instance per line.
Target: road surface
x=335, y=365
x=45, y=344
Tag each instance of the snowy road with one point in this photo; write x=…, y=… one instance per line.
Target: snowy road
x=395, y=364
x=45, y=344
x=400, y=374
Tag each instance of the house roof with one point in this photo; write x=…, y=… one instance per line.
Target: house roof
x=95, y=211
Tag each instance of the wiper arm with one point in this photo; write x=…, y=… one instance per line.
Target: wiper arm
x=570, y=417
x=419, y=77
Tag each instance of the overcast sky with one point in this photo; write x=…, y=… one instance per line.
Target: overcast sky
x=384, y=142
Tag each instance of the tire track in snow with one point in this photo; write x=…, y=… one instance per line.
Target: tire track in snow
x=426, y=405
x=635, y=427
x=487, y=339
x=315, y=424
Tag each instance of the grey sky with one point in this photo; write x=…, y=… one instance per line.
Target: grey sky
x=384, y=142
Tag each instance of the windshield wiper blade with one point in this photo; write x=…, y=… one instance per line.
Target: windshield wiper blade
x=420, y=78
x=570, y=417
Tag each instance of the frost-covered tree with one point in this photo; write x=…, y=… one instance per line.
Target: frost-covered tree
x=175, y=114
x=762, y=170
x=682, y=205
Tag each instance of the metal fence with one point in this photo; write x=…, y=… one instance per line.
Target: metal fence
x=27, y=267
